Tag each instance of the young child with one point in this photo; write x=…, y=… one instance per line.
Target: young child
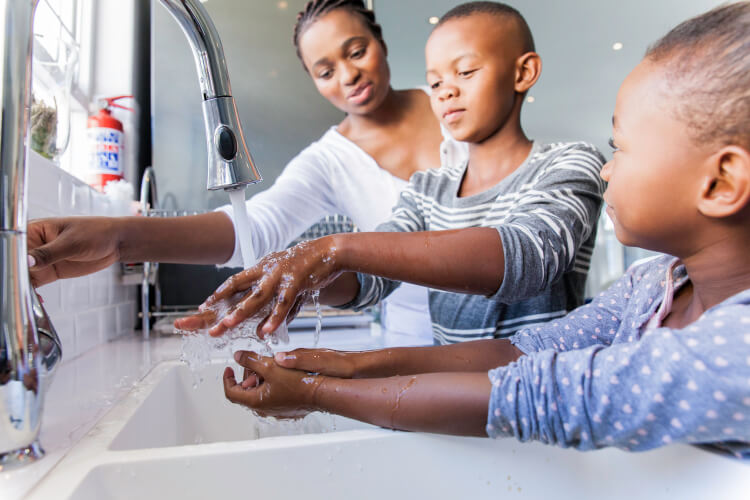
x=663, y=356
x=503, y=241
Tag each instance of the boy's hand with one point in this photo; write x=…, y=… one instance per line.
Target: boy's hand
x=323, y=361
x=70, y=247
x=270, y=390
x=284, y=280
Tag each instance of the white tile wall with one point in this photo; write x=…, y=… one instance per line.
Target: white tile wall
x=89, y=310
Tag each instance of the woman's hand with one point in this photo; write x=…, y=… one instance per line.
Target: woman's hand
x=270, y=390
x=283, y=280
x=70, y=247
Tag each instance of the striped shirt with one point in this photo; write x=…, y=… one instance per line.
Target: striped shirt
x=545, y=212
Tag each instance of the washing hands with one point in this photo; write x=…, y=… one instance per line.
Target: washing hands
x=265, y=297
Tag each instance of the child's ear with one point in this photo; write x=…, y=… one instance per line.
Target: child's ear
x=726, y=188
x=528, y=70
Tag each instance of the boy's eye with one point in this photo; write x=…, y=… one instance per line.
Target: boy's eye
x=434, y=85
x=466, y=74
x=613, y=145
x=325, y=74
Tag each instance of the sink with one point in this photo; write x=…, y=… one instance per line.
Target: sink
x=171, y=410
x=167, y=439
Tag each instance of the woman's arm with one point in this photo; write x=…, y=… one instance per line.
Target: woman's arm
x=75, y=246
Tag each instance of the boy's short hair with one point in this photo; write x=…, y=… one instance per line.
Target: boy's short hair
x=706, y=60
x=495, y=9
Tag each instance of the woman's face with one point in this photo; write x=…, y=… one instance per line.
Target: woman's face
x=346, y=62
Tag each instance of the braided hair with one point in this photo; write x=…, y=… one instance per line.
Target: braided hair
x=315, y=9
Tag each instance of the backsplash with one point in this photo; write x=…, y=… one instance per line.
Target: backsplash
x=89, y=310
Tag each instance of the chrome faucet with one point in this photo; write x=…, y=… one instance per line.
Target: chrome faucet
x=29, y=347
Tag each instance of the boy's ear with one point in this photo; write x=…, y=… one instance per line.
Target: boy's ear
x=726, y=189
x=528, y=70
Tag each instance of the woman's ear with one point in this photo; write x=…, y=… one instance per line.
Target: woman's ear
x=528, y=70
x=726, y=189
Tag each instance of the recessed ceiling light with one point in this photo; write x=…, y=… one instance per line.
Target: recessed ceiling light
x=282, y=5
x=530, y=99
x=433, y=20
x=204, y=1
x=617, y=46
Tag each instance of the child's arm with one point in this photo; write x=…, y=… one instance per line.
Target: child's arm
x=452, y=403
x=690, y=385
x=476, y=356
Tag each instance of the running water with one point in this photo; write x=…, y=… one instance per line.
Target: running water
x=242, y=227
x=316, y=301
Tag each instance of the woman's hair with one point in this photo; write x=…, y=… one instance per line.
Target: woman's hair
x=494, y=9
x=315, y=9
x=707, y=63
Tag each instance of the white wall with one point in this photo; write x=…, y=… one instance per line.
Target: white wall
x=89, y=310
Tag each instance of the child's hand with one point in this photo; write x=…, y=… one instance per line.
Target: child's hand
x=323, y=361
x=283, y=279
x=270, y=390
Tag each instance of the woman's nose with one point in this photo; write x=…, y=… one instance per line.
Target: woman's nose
x=349, y=74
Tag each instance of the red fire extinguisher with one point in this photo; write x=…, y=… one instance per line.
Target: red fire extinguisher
x=105, y=142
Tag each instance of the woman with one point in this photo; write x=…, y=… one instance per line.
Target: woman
x=356, y=168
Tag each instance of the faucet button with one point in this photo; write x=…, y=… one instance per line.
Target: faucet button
x=226, y=143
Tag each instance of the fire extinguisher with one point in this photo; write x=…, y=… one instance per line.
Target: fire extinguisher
x=105, y=141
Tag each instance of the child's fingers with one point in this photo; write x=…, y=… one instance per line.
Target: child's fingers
x=252, y=361
x=233, y=391
x=251, y=380
x=234, y=284
x=197, y=321
x=323, y=361
x=280, y=312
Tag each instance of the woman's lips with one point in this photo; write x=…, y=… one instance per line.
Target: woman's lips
x=453, y=115
x=361, y=94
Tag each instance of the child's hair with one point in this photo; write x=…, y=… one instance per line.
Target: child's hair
x=315, y=9
x=707, y=63
x=495, y=9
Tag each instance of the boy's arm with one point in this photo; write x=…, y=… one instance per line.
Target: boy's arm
x=550, y=222
x=476, y=356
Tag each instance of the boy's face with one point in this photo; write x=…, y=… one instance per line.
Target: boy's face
x=471, y=68
x=654, y=175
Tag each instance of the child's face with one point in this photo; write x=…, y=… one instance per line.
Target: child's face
x=346, y=62
x=471, y=68
x=654, y=175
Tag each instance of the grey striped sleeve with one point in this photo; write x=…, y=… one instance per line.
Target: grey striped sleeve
x=548, y=225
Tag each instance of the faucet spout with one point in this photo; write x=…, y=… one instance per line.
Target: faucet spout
x=230, y=165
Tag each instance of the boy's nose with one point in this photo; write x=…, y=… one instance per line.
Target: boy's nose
x=606, y=171
x=448, y=92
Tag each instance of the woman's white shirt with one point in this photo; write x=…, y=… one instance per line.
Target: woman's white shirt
x=335, y=176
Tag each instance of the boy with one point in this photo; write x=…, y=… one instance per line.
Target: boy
x=503, y=242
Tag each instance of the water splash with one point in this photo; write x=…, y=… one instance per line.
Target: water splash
x=319, y=323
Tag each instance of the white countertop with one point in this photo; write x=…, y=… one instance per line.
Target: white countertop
x=86, y=387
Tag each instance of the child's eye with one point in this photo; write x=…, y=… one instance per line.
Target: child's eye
x=466, y=74
x=435, y=85
x=325, y=74
x=613, y=145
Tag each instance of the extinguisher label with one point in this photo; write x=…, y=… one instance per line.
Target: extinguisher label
x=105, y=156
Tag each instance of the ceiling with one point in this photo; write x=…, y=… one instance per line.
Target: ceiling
x=282, y=112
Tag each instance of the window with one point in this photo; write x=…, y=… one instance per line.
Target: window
x=59, y=105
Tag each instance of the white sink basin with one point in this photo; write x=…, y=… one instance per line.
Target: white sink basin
x=169, y=411
x=168, y=440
